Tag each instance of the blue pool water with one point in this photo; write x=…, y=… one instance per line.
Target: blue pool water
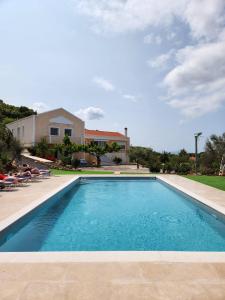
x=103, y=215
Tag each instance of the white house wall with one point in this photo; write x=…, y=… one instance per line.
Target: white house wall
x=23, y=130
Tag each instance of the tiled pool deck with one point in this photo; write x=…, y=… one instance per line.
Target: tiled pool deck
x=121, y=275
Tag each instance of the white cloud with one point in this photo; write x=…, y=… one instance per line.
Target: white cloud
x=161, y=60
x=204, y=17
x=197, y=66
x=120, y=15
x=194, y=106
x=104, y=84
x=40, y=107
x=171, y=35
x=90, y=113
x=131, y=98
x=197, y=84
x=152, y=39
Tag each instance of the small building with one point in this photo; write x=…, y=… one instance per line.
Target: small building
x=55, y=124
x=101, y=138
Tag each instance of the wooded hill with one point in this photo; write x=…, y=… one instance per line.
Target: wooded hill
x=10, y=113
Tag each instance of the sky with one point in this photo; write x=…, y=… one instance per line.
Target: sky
x=156, y=67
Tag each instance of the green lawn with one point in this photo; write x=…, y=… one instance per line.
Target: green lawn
x=133, y=173
x=214, y=181
x=62, y=172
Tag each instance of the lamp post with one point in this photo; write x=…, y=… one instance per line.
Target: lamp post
x=197, y=135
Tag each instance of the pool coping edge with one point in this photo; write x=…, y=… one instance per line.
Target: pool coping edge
x=109, y=256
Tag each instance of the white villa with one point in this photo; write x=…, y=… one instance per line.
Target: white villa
x=55, y=124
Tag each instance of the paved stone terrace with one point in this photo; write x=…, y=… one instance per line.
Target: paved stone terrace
x=106, y=280
x=12, y=201
x=114, y=281
x=212, y=194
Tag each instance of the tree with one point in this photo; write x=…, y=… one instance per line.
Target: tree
x=98, y=151
x=183, y=156
x=9, y=113
x=173, y=164
x=211, y=158
x=114, y=147
x=10, y=148
x=67, y=141
x=184, y=168
x=141, y=155
x=164, y=157
x=145, y=157
x=153, y=162
x=117, y=160
x=65, y=151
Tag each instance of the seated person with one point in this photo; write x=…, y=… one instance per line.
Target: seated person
x=35, y=171
x=26, y=174
x=26, y=167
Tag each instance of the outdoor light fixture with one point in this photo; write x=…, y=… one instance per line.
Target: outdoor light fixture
x=197, y=135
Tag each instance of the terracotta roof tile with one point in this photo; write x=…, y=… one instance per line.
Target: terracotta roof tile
x=103, y=133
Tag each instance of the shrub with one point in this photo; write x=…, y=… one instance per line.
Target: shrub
x=66, y=160
x=1, y=167
x=50, y=157
x=42, y=148
x=10, y=148
x=75, y=163
x=204, y=170
x=155, y=167
x=184, y=168
x=117, y=160
x=168, y=167
x=67, y=141
x=32, y=150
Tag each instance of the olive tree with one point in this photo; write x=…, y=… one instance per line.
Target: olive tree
x=10, y=148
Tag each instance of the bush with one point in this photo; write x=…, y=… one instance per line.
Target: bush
x=50, y=157
x=42, y=148
x=208, y=170
x=184, y=168
x=1, y=167
x=168, y=167
x=155, y=167
x=117, y=160
x=10, y=148
x=75, y=163
x=66, y=160
x=32, y=150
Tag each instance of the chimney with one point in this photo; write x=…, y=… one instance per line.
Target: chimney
x=125, y=131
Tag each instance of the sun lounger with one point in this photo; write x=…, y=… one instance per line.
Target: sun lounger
x=5, y=186
x=2, y=185
x=45, y=172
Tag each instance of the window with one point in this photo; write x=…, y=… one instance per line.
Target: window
x=54, y=131
x=122, y=145
x=68, y=132
x=18, y=132
x=100, y=143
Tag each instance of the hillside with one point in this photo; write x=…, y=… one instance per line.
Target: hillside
x=9, y=113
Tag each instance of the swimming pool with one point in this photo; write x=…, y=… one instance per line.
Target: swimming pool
x=123, y=214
